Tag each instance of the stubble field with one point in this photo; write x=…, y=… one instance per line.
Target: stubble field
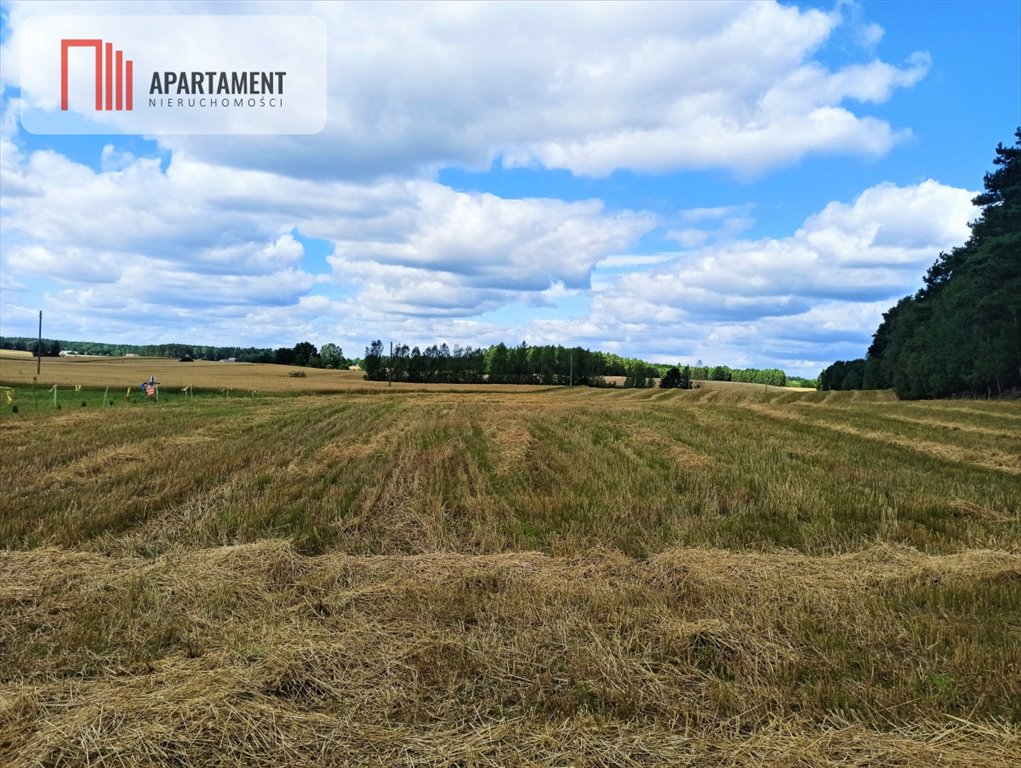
x=720, y=577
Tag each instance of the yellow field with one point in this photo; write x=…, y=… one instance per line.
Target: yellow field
x=122, y=372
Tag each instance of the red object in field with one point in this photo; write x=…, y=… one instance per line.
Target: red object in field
x=150, y=390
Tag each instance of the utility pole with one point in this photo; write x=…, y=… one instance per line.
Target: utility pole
x=390, y=368
x=39, y=346
x=572, y=368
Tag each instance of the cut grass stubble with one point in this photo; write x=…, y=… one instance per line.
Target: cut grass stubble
x=705, y=656
x=717, y=578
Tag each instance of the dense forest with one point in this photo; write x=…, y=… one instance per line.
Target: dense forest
x=960, y=334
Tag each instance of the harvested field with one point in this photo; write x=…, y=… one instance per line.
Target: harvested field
x=560, y=471
x=255, y=655
x=243, y=379
x=719, y=577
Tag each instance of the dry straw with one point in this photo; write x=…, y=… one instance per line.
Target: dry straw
x=257, y=656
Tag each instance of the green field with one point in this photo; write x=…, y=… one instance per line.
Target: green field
x=719, y=577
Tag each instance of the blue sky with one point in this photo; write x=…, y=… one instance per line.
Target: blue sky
x=745, y=184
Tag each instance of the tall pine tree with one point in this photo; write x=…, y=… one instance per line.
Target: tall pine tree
x=961, y=332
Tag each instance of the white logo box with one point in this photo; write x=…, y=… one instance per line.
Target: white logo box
x=181, y=75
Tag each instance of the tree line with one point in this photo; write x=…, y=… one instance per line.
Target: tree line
x=303, y=353
x=498, y=364
x=960, y=333
x=542, y=364
x=771, y=376
x=50, y=347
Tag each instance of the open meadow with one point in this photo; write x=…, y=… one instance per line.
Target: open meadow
x=327, y=571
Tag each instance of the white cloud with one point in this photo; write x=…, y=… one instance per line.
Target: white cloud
x=729, y=221
x=590, y=87
x=211, y=242
x=866, y=249
x=630, y=261
x=862, y=33
x=197, y=236
x=890, y=224
x=492, y=246
x=697, y=215
x=70, y=264
x=778, y=301
x=138, y=248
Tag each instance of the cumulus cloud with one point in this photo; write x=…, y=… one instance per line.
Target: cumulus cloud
x=777, y=300
x=454, y=252
x=211, y=241
x=197, y=251
x=217, y=240
x=653, y=87
x=863, y=250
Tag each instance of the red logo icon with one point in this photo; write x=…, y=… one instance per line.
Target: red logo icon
x=117, y=97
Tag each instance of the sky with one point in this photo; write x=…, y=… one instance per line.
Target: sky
x=748, y=184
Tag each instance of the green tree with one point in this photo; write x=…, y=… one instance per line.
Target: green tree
x=499, y=365
x=685, y=381
x=671, y=379
x=332, y=356
x=400, y=361
x=637, y=377
x=303, y=353
x=961, y=332
x=520, y=371
x=373, y=362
